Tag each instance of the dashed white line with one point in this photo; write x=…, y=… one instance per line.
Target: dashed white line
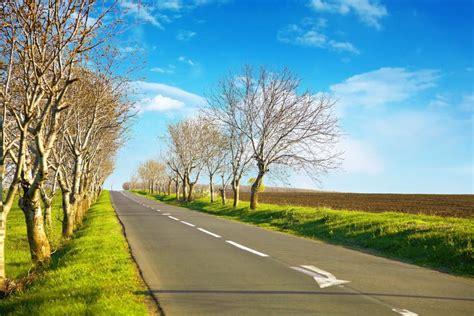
x=165, y=214
x=158, y=210
x=209, y=233
x=258, y=253
x=189, y=224
x=404, y=312
x=176, y=219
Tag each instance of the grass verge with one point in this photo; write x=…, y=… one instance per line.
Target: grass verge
x=92, y=274
x=442, y=243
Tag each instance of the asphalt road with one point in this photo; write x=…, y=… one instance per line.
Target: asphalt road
x=198, y=264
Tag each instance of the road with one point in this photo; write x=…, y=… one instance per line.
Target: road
x=199, y=264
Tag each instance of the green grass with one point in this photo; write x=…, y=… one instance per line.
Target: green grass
x=92, y=274
x=442, y=243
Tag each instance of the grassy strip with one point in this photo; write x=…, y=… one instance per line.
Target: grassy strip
x=443, y=243
x=90, y=275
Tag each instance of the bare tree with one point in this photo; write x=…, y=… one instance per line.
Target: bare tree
x=41, y=43
x=222, y=108
x=99, y=115
x=226, y=175
x=185, y=152
x=215, y=154
x=284, y=127
x=153, y=175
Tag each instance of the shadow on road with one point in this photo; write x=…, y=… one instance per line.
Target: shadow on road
x=307, y=293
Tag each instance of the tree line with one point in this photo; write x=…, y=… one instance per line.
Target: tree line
x=255, y=122
x=63, y=114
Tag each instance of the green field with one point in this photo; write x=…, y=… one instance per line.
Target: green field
x=442, y=243
x=92, y=274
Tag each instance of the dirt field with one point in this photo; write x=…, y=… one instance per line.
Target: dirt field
x=429, y=204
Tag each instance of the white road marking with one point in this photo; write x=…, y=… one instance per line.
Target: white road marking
x=158, y=210
x=323, y=278
x=209, y=233
x=258, y=253
x=164, y=214
x=404, y=312
x=189, y=224
x=176, y=219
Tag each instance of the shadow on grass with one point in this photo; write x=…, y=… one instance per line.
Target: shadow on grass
x=29, y=305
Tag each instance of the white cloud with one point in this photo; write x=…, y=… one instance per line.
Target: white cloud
x=309, y=35
x=140, y=12
x=185, y=35
x=170, y=5
x=161, y=97
x=369, y=11
x=322, y=23
x=440, y=101
x=385, y=85
x=186, y=61
x=343, y=46
x=360, y=157
x=467, y=103
x=160, y=103
x=168, y=70
x=130, y=49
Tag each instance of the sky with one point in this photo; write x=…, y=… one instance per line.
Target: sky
x=402, y=73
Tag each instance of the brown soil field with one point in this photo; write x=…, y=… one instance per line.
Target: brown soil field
x=429, y=204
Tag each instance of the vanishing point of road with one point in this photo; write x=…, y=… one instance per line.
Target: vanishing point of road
x=199, y=264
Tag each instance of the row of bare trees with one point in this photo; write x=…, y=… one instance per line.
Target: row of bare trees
x=61, y=120
x=254, y=122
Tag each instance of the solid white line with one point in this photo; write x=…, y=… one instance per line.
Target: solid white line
x=209, y=233
x=258, y=253
x=176, y=219
x=189, y=224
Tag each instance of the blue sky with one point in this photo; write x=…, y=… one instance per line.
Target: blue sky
x=402, y=72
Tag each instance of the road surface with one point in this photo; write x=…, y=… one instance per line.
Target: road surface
x=199, y=264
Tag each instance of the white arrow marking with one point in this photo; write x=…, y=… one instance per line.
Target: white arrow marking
x=323, y=278
x=404, y=312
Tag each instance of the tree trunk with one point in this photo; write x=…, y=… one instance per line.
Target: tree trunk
x=222, y=191
x=177, y=189
x=185, y=189
x=3, y=231
x=236, y=192
x=39, y=245
x=191, y=191
x=211, y=188
x=169, y=188
x=254, y=191
x=68, y=215
x=48, y=221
